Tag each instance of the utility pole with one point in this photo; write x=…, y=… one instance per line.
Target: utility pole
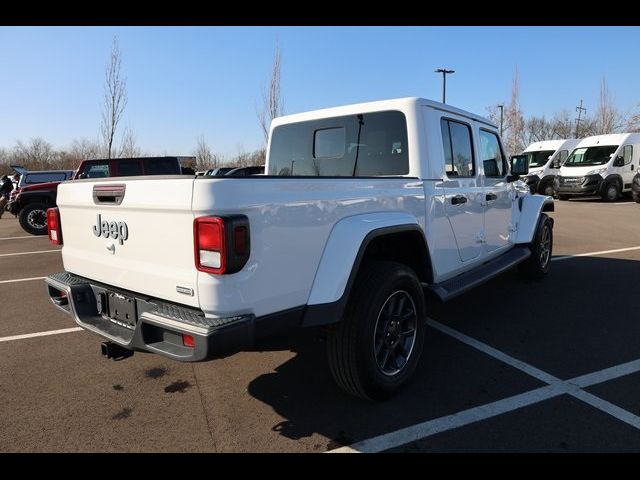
x=444, y=73
x=579, y=109
x=501, y=107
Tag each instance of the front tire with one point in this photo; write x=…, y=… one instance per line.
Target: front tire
x=611, y=192
x=547, y=189
x=539, y=263
x=33, y=218
x=375, y=349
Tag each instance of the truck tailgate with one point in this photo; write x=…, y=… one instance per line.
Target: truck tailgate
x=146, y=244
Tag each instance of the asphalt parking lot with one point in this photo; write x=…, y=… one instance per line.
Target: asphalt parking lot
x=547, y=366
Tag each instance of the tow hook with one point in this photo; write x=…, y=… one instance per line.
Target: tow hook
x=115, y=351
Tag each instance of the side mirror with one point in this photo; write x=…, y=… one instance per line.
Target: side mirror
x=519, y=165
x=82, y=175
x=619, y=161
x=556, y=163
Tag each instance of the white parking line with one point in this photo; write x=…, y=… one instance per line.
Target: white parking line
x=460, y=419
x=26, y=236
x=503, y=357
x=608, y=407
x=28, y=253
x=590, y=254
x=22, y=279
x=554, y=388
x=40, y=334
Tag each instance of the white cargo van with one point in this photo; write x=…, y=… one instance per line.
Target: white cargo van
x=602, y=165
x=545, y=159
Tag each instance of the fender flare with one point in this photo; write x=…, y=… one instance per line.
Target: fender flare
x=341, y=259
x=614, y=176
x=546, y=179
x=531, y=206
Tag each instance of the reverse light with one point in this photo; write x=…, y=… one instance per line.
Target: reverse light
x=54, y=227
x=221, y=244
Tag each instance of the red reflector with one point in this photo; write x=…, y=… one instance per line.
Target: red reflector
x=188, y=340
x=240, y=240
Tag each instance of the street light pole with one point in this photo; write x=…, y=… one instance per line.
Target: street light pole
x=444, y=73
x=501, y=107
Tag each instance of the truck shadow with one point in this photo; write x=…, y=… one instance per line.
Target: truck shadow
x=579, y=319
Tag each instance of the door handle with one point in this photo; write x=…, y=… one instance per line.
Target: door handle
x=632, y=166
x=491, y=196
x=458, y=200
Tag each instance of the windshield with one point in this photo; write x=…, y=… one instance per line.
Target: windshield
x=539, y=159
x=582, y=157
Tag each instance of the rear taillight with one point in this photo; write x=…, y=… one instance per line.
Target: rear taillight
x=221, y=244
x=53, y=226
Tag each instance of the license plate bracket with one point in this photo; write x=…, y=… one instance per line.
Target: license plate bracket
x=121, y=308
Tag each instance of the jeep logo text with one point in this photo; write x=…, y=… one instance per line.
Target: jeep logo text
x=115, y=230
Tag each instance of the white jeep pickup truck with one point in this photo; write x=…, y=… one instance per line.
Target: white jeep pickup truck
x=363, y=209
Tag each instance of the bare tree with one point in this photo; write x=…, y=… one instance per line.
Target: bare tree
x=272, y=101
x=607, y=118
x=115, y=98
x=513, y=118
x=205, y=158
x=84, y=148
x=37, y=154
x=562, y=125
x=129, y=147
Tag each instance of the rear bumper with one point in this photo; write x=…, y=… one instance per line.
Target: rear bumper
x=159, y=326
x=584, y=186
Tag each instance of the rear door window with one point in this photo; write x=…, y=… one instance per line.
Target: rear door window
x=458, y=150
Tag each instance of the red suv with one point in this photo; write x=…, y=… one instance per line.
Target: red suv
x=30, y=203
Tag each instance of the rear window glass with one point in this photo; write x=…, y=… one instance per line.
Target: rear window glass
x=161, y=166
x=369, y=144
x=96, y=170
x=329, y=143
x=32, y=178
x=129, y=168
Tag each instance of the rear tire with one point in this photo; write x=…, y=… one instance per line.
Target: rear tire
x=375, y=349
x=539, y=263
x=33, y=218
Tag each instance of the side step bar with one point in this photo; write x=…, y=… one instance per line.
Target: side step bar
x=466, y=281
